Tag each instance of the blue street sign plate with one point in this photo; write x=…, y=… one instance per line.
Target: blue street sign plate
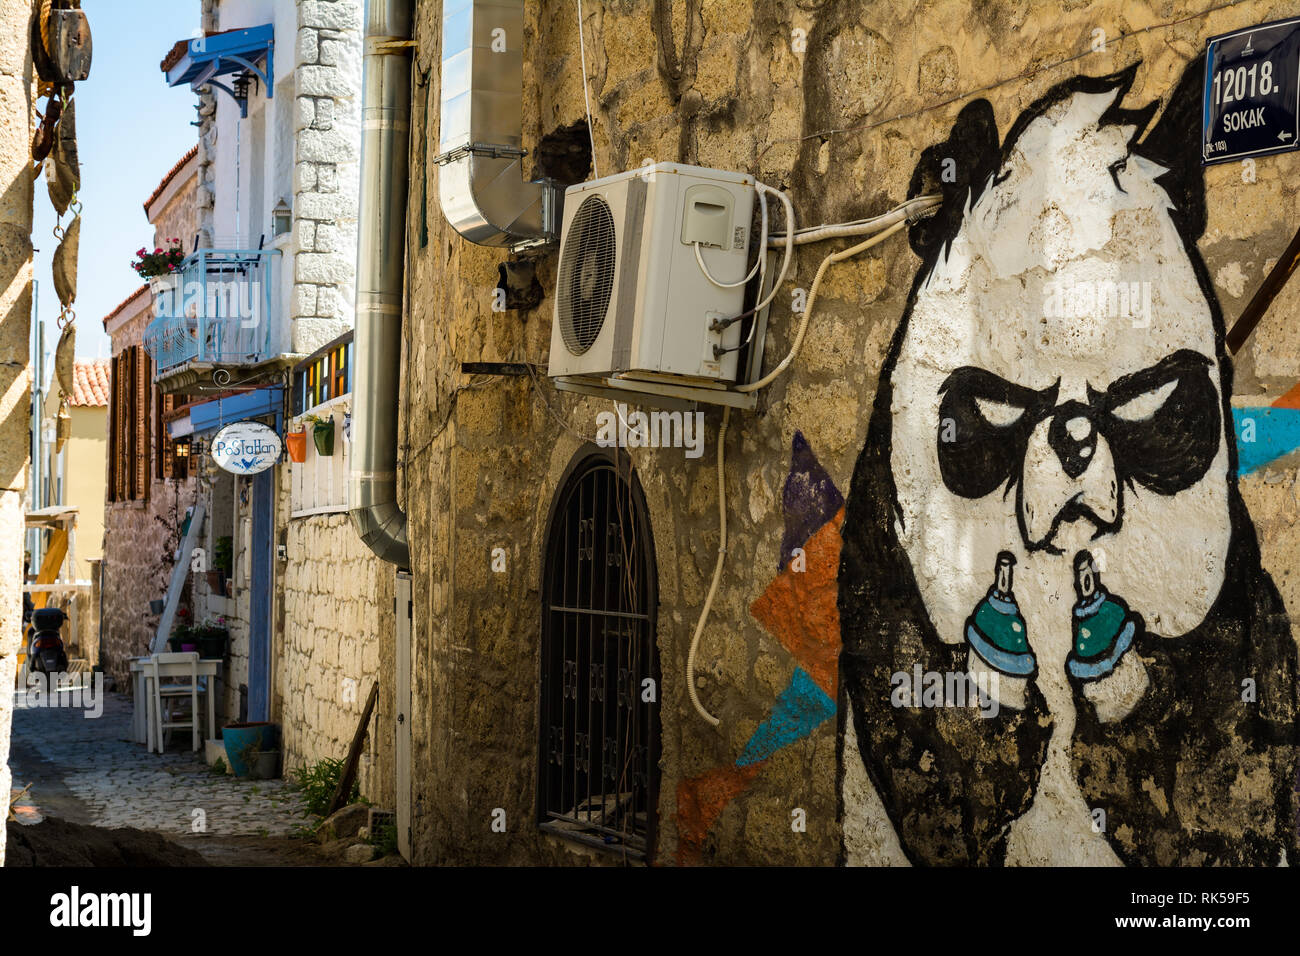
x=1252, y=92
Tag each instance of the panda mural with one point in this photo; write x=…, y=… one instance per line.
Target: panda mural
x=1047, y=502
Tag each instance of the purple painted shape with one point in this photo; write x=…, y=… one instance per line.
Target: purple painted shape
x=809, y=499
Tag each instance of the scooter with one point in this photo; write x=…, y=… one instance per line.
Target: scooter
x=46, y=653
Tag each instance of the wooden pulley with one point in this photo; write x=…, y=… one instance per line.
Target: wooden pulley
x=64, y=264
x=62, y=167
x=61, y=45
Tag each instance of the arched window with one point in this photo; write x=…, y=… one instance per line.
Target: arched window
x=598, y=773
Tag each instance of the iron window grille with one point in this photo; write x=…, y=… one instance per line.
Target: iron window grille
x=598, y=773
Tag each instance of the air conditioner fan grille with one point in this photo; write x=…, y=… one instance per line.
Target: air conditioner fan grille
x=586, y=278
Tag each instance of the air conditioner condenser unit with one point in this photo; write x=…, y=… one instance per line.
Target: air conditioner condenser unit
x=631, y=298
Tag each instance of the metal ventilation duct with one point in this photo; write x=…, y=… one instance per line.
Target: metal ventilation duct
x=481, y=185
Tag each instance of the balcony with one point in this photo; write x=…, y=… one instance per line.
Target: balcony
x=216, y=312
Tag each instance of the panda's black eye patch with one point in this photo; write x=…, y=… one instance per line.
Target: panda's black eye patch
x=1163, y=423
x=984, y=425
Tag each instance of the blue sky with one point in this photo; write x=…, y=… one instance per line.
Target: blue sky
x=131, y=129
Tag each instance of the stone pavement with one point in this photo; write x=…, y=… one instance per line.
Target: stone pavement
x=88, y=770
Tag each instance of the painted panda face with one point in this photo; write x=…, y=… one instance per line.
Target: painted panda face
x=1058, y=389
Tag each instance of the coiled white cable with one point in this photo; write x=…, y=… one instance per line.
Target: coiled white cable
x=812, y=300
x=717, y=575
x=760, y=264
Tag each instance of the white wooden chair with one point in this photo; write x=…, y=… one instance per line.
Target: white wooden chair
x=180, y=685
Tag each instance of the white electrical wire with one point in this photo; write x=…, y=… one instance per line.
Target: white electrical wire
x=717, y=575
x=586, y=97
x=812, y=300
x=722, y=436
x=760, y=264
x=789, y=245
x=862, y=227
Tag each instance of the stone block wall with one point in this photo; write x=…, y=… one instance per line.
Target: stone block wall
x=137, y=566
x=338, y=611
x=834, y=103
x=15, y=331
x=137, y=569
x=327, y=138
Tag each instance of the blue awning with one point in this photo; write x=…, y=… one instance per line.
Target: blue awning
x=219, y=412
x=222, y=54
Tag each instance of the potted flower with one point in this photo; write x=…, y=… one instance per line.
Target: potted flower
x=297, y=442
x=183, y=631
x=322, y=433
x=212, y=637
x=161, y=267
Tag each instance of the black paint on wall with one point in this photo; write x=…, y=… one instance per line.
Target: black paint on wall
x=1194, y=774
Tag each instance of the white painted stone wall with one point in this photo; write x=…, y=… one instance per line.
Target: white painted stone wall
x=300, y=145
x=337, y=595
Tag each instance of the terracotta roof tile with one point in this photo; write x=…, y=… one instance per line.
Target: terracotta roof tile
x=124, y=303
x=171, y=174
x=89, y=383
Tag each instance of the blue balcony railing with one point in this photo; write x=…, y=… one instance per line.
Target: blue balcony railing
x=216, y=310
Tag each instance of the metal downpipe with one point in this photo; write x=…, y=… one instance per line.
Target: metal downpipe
x=381, y=259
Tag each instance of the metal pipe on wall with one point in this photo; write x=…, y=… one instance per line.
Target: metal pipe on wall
x=381, y=260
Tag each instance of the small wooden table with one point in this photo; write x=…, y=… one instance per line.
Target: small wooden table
x=141, y=676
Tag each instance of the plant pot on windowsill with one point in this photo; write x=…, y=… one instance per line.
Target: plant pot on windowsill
x=297, y=444
x=322, y=433
x=212, y=645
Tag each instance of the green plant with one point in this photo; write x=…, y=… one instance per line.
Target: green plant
x=386, y=839
x=223, y=555
x=317, y=783
x=218, y=766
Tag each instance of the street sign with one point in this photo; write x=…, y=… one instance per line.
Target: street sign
x=1252, y=92
x=245, y=448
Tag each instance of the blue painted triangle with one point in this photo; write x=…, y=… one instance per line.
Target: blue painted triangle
x=801, y=709
x=1264, y=434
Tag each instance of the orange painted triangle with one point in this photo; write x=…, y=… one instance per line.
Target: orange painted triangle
x=799, y=607
x=1291, y=399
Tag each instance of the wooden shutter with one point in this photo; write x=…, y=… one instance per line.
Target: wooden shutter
x=112, y=430
x=164, y=446
x=122, y=386
x=140, y=489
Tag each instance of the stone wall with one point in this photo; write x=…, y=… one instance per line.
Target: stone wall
x=326, y=169
x=834, y=103
x=338, y=610
x=15, y=332
x=137, y=563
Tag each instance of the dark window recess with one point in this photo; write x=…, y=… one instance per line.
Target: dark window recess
x=598, y=775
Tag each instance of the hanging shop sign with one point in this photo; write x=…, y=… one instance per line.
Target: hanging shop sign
x=1252, y=93
x=245, y=448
